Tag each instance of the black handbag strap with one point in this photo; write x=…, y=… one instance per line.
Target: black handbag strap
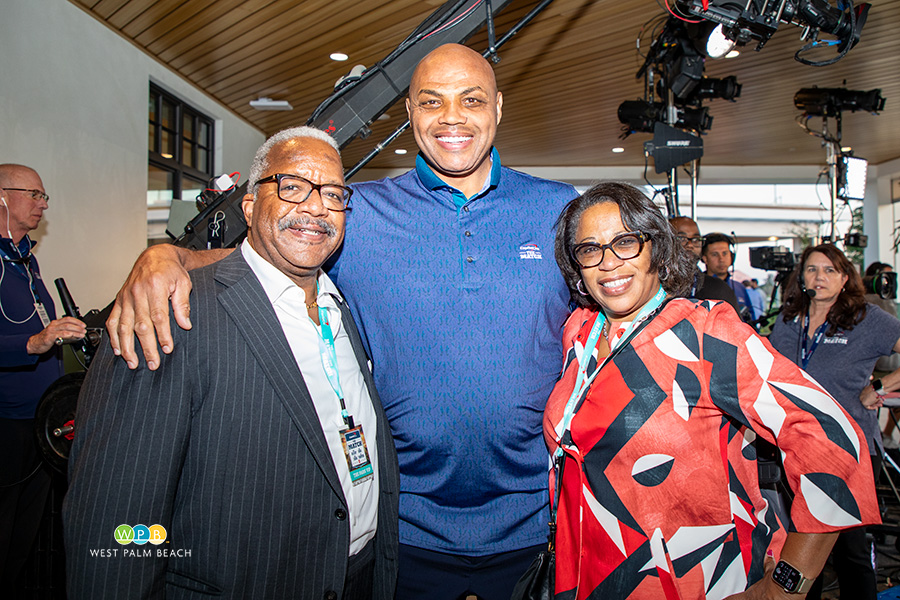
x=560, y=463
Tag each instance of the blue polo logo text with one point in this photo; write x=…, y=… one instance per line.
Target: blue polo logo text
x=140, y=534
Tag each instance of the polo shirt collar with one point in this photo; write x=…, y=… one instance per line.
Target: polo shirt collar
x=431, y=181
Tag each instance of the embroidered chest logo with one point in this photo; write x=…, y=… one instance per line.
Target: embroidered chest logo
x=835, y=340
x=530, y=251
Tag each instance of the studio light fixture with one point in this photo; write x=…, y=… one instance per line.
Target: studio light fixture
x=338, y=56
x=400, y=151
x=717, y=45
x=266, y=103
x=618, y=150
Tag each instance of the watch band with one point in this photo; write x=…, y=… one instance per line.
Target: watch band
x=878, y=386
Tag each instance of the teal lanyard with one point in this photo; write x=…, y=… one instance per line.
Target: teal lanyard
x=583, y=381
x=329, y=360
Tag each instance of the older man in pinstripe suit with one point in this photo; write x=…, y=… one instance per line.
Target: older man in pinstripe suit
x=257, y=461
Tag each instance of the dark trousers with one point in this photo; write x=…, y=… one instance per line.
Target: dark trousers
x=24, y=484
x=440, y=576
x=852, y=561
x=360, y=574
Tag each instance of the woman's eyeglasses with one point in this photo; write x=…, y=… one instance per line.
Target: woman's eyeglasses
x=625, y=246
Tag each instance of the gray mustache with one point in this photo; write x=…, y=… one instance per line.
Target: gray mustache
x=288, y=222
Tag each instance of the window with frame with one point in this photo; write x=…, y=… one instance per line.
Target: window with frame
x=181, y=160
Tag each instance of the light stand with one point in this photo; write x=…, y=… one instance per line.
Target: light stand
x=831, y=102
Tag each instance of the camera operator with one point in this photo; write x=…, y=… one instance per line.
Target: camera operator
x=827, y=328
x=718, y=256
x=30, y=360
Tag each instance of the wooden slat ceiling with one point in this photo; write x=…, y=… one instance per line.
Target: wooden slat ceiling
x=563, y=76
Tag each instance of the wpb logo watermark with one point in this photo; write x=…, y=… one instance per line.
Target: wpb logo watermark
x=140, y=534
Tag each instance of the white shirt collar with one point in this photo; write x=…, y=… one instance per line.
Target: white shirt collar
x=275, y=283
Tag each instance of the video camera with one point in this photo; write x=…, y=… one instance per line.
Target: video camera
x=772, y=258
x=884, y=285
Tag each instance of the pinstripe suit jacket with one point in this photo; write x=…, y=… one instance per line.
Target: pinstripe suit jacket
x=222, y=446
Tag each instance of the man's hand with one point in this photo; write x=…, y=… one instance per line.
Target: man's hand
x=67, y=329
x=142, y=306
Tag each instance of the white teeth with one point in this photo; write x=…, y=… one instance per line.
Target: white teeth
x=617, y=283
x=455, y=139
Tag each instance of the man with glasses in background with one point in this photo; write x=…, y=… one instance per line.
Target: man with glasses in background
x=30, y=360
x=704, y=287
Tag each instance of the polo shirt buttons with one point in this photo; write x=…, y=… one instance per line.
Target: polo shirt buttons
x=468, y=234
x=470, y=259
x=340, y=514
x=465, y=208
x=330, y=595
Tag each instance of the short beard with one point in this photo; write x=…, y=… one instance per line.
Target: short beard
x=288, y=222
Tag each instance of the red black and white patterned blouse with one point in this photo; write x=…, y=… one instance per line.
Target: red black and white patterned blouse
x=660, y=496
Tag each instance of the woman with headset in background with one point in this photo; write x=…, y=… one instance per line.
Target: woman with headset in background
x=827, y=328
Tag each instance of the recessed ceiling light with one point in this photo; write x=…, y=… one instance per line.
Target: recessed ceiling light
x=733, y=54
x=618, y=150
x=266, y=103
x=773, y=238
x=400, y=151
x=167, y=156
x=339, y=56
x=384, y=117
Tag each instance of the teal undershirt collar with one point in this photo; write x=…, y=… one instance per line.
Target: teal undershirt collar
x=433, y=182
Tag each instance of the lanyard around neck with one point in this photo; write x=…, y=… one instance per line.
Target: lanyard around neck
x=807, y=352
x=328, y=355
x=583, y=381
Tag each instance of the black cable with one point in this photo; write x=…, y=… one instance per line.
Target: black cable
x=813, y=44
x=21, y=481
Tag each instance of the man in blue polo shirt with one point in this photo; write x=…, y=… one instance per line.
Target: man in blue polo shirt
x=450, y=270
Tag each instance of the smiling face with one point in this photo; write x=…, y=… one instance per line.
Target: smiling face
x=820, y=274
x=296, y=238
x=454, y=108
x=620, y=287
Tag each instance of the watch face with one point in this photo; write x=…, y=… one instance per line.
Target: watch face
x=786, y=576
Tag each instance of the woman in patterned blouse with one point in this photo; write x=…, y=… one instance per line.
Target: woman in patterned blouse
x=655, y=417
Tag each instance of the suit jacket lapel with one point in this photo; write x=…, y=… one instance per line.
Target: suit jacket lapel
x=246, y=303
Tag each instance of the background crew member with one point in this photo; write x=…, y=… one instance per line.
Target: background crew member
x=30, y=361
x=703, y=287
x=827, y=328
x=718, y=255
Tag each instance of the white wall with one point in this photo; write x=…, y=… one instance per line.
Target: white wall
x=73, y=105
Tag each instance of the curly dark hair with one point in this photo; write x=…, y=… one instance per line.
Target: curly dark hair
x=638, y=214
x=850, y=306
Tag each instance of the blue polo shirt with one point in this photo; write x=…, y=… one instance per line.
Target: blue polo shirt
x=23, y=377
x=462, y=305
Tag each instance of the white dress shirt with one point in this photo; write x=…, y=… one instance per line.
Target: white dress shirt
x=289, y=302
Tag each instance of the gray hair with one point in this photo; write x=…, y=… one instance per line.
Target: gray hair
x=261, y=160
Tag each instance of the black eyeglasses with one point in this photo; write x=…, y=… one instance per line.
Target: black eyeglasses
x=625, y=246
x=35, y=194
x=693, y=241
x=296, y=189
